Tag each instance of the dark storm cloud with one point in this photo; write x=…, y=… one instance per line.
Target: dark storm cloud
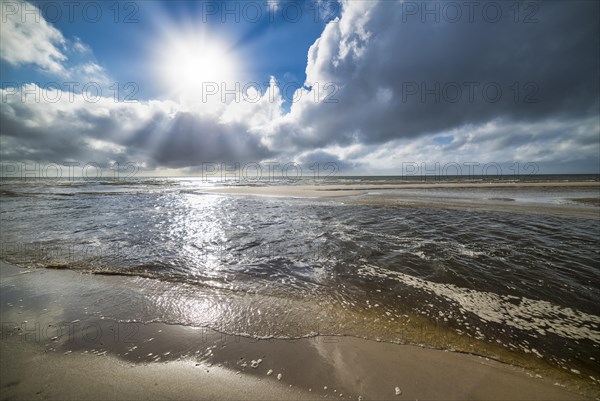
x=100, y=134
x=324, y=163
x=553, y=61
x=25, y=139
x=190, y=140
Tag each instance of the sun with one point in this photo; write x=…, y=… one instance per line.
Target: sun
x=190, y=64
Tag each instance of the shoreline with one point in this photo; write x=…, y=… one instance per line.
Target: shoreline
x=357, y=189
x=395, y=195
x=316, y=368
x=157, y=360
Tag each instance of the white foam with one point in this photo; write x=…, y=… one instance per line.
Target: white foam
x=522, y=313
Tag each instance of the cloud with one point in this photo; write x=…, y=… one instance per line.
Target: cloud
x=371, y=52
x=382, y=88
x=498, y=141
x=189, y=139
x=153, y=133
x=27, y=38
x=398, y=80
x=80, y=47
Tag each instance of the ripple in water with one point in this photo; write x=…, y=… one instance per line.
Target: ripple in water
x=481, y=282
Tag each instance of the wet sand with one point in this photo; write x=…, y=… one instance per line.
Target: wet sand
x=28, y=373
x=359, y=189
x=47, y=353
x=392, y=195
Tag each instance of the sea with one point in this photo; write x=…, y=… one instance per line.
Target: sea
x=522, y=288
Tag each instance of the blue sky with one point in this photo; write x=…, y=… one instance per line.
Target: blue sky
x=369, y=85
x=122, y=35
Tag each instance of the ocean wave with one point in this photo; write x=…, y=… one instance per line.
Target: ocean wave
x=519, y=312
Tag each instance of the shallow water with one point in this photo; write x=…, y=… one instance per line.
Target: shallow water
x=507, y=285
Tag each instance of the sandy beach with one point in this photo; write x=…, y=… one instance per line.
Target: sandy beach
x=402, y=195
x=48, y=353
x=302, y=299
x=354, y=189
